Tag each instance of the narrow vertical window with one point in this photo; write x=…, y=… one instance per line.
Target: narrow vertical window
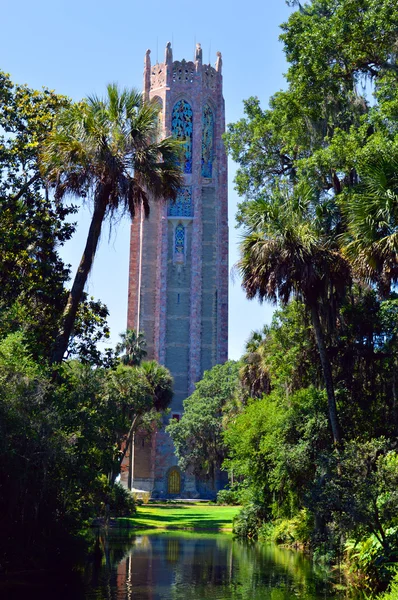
x=181, y=128
x=179, y=242
x=207, y=141
x=159, y=118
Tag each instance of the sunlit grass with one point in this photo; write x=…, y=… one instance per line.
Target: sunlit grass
x=183, y=516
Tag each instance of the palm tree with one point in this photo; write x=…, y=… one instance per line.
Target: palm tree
x=134, y=346
x=284, y=255
x=371, y=210
x=107, y=150
x=146, y=388
x=254, y=374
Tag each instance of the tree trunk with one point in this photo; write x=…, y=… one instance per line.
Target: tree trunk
x=75, y=295
x=133, y=427
x=26, y=186
x=327, y=374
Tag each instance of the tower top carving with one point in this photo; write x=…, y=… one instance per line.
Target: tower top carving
x=181, y=72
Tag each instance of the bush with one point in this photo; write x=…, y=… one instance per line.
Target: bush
x=227, y=497
x=392, y=593
x=247, y=522
x=369, y=565
x=121, y=502
x=288, y=531
x=141, y=498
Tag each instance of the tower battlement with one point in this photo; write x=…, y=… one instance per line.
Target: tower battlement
x=180, y=73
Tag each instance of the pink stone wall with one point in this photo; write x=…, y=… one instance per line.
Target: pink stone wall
x=198, y=84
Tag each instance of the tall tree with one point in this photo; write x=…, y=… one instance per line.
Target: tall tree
x=371, y=210
x=138, y=391
x=254, y=373
x=198, y=435
x=107, y=150
x=133, y=344
x=32, y=227
x=284, y=255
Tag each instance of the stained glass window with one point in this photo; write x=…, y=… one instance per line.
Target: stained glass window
x=179, y=240
x=182, y=207
x=207, y=141
x=181, y=127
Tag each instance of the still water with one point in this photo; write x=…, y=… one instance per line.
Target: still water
x=192, y=567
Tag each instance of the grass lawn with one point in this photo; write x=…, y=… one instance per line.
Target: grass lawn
x=190, y=516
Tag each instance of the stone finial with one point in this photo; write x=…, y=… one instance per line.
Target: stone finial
x=198, y=53
x=168, y=57
x=147, y=73
x=219, y=63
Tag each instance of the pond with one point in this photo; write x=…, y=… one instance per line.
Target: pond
x=191, y=567
x=184, y=566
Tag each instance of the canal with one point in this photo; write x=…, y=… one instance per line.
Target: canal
x=189, y=566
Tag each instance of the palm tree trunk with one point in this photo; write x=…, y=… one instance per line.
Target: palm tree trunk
x=75, y=295
x=327, y=375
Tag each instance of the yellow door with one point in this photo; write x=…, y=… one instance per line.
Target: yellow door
x=174, y=481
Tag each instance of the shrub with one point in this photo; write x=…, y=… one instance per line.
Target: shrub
x=247, y=522
x=369, y=564
x=227, y=497
x=121, y=501
x=288, y=531
x=146, y=497
x=392, y=593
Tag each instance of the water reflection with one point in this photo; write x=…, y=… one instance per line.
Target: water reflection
x=193, y=567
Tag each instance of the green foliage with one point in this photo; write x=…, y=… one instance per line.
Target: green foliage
x=90, y=327
x=133, y=344
x=274, y=445
x=105, y=149
x=392, y=592
x=279, y=448
x=197, y=436
x=228, y=496
x=289, y=531
x=32, y=227
x=247, y=522
x=121, y=502
x=317, y=173
x=60, y=440
x=63, y=434
x=367, y=562
x=359, y=492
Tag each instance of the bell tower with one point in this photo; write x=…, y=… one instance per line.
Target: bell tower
x=178, y=278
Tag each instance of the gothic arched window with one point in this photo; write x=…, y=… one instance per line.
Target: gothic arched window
x=179, y=242
x=181, y=128
x=207, y=141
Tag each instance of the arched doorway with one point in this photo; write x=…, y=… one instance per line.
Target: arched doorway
x=174, y=481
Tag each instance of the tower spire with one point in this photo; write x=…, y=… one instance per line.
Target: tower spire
x=147, y=74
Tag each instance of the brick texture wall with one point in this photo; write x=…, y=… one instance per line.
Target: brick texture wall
x=182, y=307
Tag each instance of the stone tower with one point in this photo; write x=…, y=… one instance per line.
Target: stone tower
x=178, y=280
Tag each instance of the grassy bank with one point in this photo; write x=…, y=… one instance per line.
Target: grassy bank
x=194, y=517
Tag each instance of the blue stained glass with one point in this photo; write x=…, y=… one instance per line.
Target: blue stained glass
x=182, y=207
x=181, y=127
x=207, y=141
x=179, y=239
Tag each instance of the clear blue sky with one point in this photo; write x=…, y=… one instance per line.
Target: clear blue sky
x=77, y=47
